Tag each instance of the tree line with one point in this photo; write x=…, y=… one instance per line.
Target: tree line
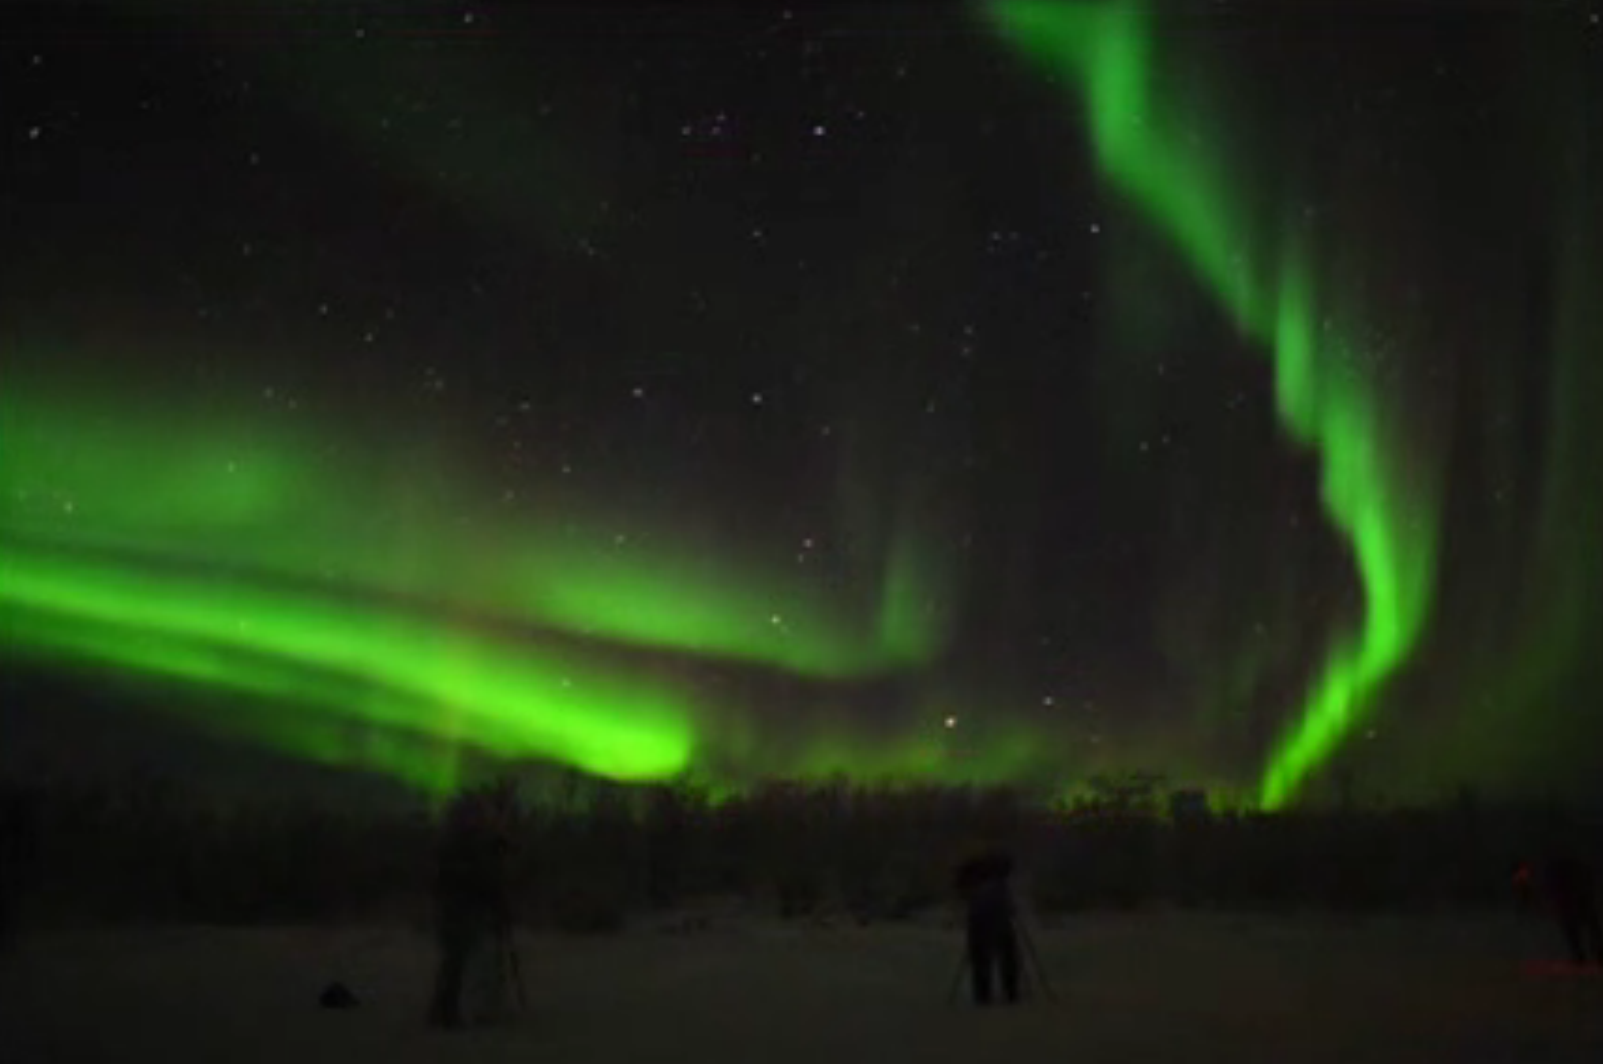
x=588, y=855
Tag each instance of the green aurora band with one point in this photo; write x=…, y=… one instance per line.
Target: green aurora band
x=1262, y=275
x=228, y=491
x=515, y=700
x=293, y=710
x=370, y=616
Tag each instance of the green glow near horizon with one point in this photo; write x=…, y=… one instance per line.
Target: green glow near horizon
x=1260, y=274
x=290, y=709
x=517, y=700
x=371, y=615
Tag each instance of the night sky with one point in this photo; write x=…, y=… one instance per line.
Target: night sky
x=1010, y=391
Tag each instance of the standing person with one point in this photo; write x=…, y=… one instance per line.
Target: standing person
x=984, y=882
x=471, y=907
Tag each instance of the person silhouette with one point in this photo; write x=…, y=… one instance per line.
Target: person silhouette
x=471, y=903
x=984, y=882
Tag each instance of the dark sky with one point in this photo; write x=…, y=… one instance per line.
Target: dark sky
x=819, y=367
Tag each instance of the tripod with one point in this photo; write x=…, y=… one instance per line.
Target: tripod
x=1032, y=971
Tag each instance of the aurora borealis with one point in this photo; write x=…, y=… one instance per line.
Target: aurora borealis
x=1001, y=391
x=1389, y=522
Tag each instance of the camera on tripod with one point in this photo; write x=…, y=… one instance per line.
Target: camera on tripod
x=997, y=946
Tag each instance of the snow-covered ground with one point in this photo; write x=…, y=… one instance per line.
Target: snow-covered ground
x=1161, y=987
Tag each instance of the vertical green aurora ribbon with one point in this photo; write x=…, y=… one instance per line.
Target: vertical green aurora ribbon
x=1147, y=144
